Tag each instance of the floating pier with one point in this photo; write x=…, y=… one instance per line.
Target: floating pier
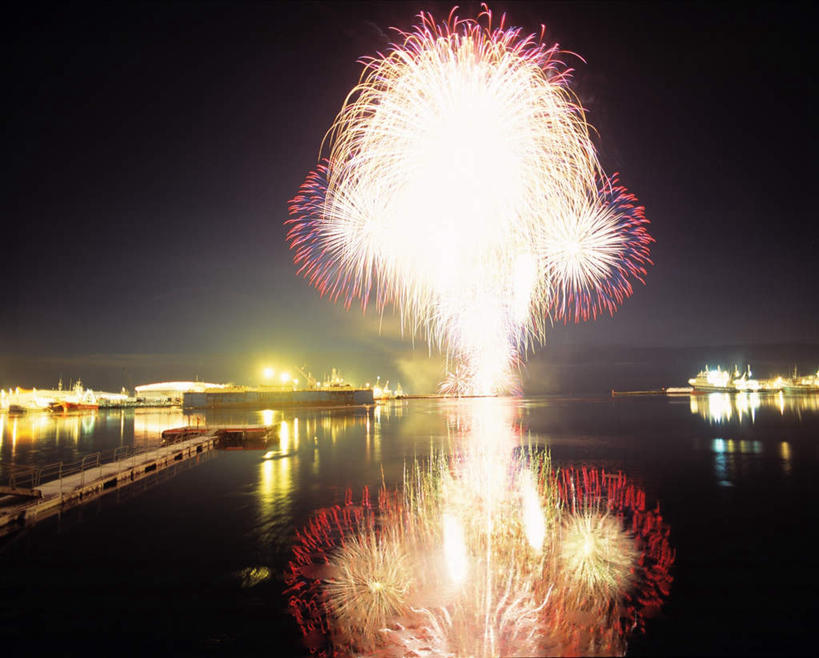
x=30, y=495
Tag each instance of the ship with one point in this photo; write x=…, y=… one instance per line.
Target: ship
x=78, y=399
x=722, y=381
x=806, y=384
x=712, y=381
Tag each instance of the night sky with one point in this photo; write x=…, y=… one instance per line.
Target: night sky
x=150, y=151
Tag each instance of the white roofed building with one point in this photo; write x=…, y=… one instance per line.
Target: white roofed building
x=172, y=392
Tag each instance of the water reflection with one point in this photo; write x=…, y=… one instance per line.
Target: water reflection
x=45, y=437
x=275, y=486
x=785, y=455
x=474, y=518
x=733, y=458
x=744, y=407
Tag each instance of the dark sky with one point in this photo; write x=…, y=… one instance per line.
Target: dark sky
x=150, y=151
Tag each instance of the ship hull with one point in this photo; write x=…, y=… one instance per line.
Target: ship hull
x=66, y=407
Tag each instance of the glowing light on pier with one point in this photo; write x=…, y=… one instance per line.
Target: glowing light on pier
x=462, y=187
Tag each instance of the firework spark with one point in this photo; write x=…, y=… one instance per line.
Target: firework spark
x=461, y=185
x=597, y=556
x=370, y=583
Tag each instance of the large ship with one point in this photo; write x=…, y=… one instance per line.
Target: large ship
x=78, y=399
x=722, y=381
x=806, y=384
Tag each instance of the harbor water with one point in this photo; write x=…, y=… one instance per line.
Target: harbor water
x=192, y=561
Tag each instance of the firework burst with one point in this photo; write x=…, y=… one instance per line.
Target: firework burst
x=461, y=186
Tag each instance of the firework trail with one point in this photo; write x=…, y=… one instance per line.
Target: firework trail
x=462, y=187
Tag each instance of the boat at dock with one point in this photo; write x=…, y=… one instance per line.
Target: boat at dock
x=177, y=434
x=241, y=437
x=77, y=399
x=806, y=384
x=235, y=437
x=712, y=381
x=722, y=381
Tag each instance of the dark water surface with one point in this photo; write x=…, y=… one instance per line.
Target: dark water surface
x=192, y=561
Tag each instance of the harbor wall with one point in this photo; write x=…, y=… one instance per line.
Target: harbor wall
x=263, y=399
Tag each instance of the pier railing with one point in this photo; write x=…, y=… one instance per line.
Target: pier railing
x=28, y=477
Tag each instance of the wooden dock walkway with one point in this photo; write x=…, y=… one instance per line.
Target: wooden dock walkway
x=22, y=506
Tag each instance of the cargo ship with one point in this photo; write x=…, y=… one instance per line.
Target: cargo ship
x=267, y=398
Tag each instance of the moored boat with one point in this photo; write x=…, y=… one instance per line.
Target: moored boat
x=712, y=381
x=78, y=399
x=807, y=384
x=176, y=434
x=244, y=437
x=722, y=381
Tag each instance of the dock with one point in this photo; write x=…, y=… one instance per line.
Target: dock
x=33, y=493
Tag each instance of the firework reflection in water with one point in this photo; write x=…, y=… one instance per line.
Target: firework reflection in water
x=488, y=552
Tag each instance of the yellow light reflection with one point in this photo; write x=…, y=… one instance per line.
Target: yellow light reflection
x=723, y=407
x=268, y=480
x=284, y=436
x=275, y=486
x=149, y=423
x=267, y=416
x=785, y=454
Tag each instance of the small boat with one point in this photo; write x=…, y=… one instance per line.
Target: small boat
x=249, y=437
x=176, y=434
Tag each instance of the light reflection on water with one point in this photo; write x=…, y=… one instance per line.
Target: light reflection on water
x=737, y=459
x=238, y=512
x=744, y=407
x=44, y=437
x=275, y=487
x=332, y=440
